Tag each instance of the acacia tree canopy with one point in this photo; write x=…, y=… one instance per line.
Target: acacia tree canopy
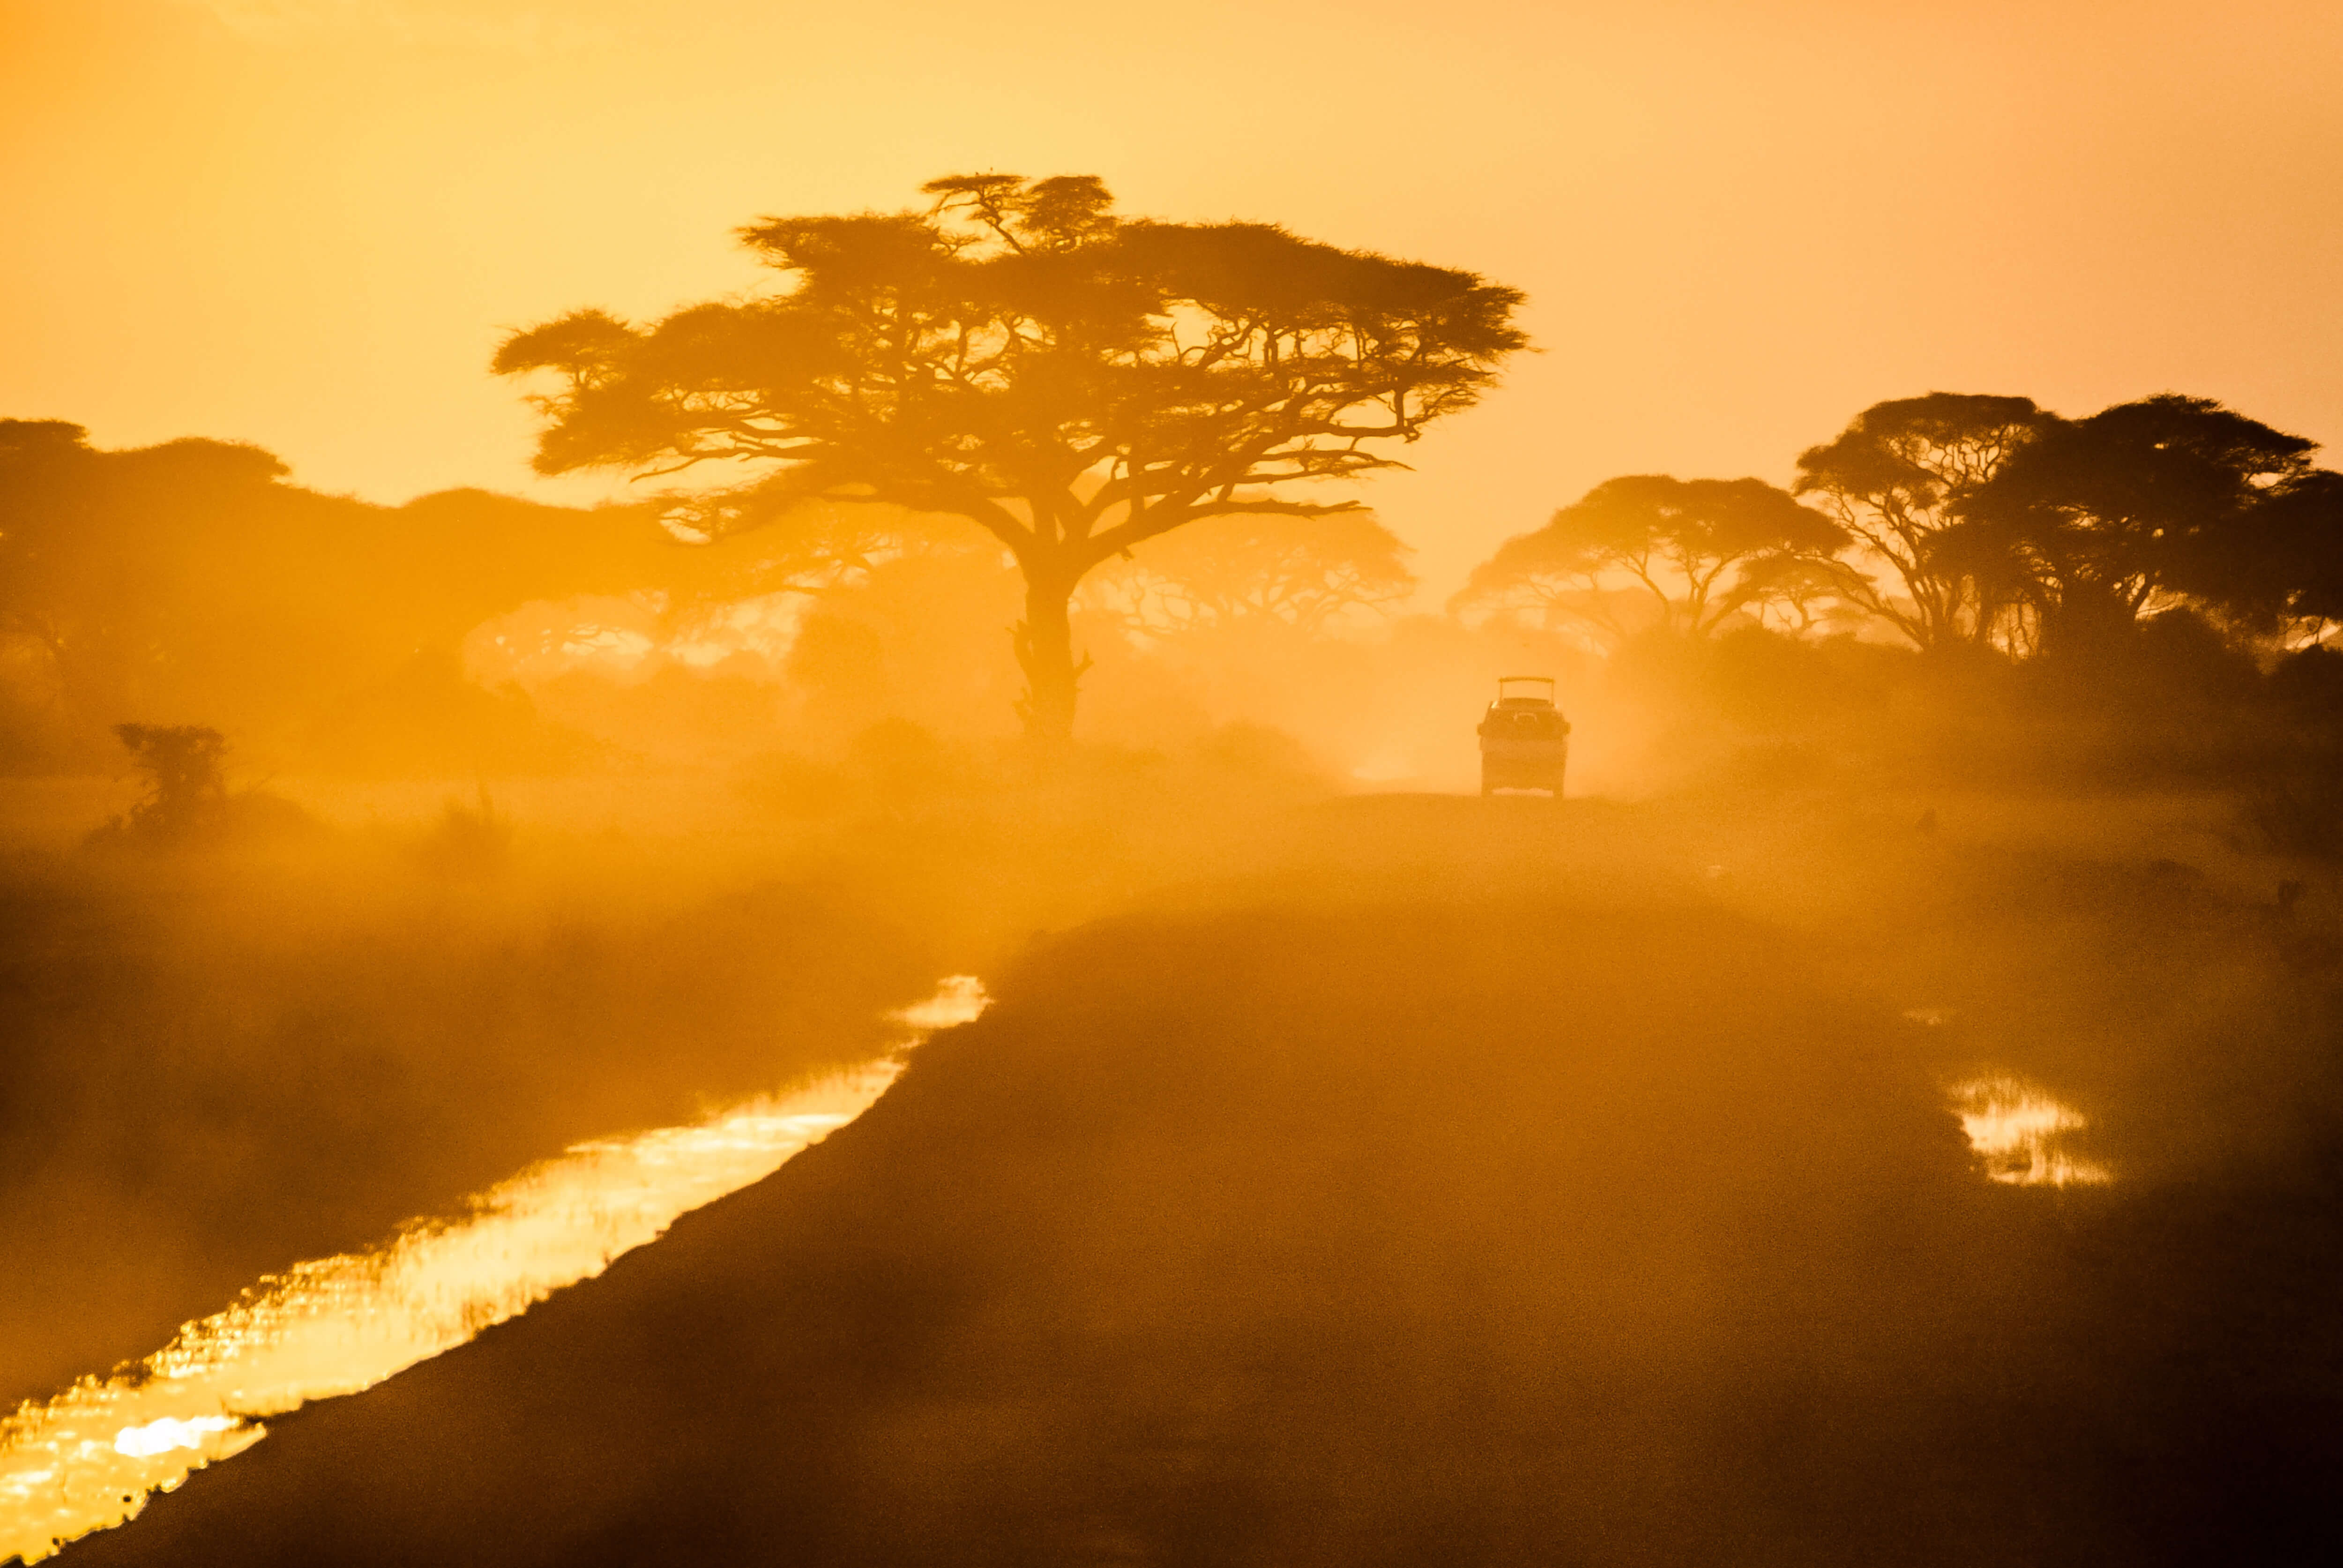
x=97, y=549
x=2302, y=521
x=2169, y=497
x=1017, y=354
x=1895, y=478
x=1650, y=549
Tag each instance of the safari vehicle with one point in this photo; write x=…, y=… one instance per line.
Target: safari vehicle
x=1524, y=739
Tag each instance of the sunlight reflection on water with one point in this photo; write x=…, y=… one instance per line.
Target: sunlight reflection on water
x=2021, y=1132
x=2019, y=1129
x=89, y=1458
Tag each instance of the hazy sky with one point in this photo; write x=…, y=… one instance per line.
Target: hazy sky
x=304, y=223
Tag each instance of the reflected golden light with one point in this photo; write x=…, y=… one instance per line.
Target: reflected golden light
x=165, y=1434
x=2020, y=1132
x=89, y=1458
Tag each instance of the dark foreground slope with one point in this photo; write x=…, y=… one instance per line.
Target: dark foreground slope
x=1408, y=1235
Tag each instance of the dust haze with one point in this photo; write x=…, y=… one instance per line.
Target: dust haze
x=1874, y=1094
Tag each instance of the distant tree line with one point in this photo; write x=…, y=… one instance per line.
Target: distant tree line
x=191, y=582
x=1124, y=423
x=1957, y=519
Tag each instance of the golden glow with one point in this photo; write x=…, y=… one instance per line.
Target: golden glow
x=1734, y=221
x=88, y=1458
x=2021, y=1132
x=164, y=1433
x=622, y=637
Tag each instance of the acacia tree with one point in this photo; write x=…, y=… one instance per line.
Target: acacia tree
x=1896, y=479
x=2162, y=501
x=113, y=563
x=1305, y=572
x=1016, y=355
x=2301, y=518
x=1803, y=591
x=1649, y=549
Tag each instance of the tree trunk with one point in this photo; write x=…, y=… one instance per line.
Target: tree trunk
x=1045, y=651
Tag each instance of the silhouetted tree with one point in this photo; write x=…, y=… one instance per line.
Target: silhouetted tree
x=1305, y=572
x=1895, y=479
x=186, y=787
x=2166, y=500
x=1648, y=549
x=1803, y=591
x=96, y=549
x=2302, y=519
x=1016, y=355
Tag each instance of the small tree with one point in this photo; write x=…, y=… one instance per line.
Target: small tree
x=1895, y=478
x=1650, y=550
x=186, y=789
x=1017, y=354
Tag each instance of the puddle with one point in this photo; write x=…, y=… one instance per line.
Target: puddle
x=90, y=1457
x=2023, y=1134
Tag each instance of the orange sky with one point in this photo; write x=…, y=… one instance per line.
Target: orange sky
x=304, y=223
